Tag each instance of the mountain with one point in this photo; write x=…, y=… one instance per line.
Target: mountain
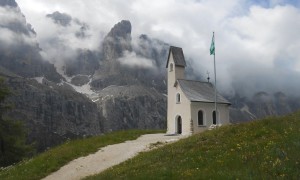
x=261, y=105
x=19, y=51
x=52, y=113
x=119, y=85
x=128, y=95
x=51, y=109
x=132, y=107
x=87, y=96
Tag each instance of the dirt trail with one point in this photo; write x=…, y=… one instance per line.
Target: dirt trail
x=108, y=156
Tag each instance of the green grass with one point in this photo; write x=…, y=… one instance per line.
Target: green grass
x=264, y=149
x=51, y=160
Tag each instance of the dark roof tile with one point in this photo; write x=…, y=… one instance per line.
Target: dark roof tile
x=197, y=91
x=177, y=56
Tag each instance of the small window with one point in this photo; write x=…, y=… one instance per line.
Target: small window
x=200, y=118
x=171, y=67
x=214, y=116
x=177, y=98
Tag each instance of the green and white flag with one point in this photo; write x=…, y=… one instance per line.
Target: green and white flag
x=212, y=46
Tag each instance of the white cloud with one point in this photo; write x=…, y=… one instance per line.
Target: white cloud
x=130, y=59
x=6, y=37
x=248, y=35
x=9, y=15
x=13, y=28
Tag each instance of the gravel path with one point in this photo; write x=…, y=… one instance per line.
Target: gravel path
x=108, y=156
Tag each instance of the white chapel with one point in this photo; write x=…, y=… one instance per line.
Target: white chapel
x=191, y=107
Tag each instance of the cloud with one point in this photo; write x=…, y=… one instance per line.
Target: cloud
x=60, y=18
x=130, y=59
x=14, y=29
x=61, y=36
x=257, y=43
x=6, y=36
x=261, y=51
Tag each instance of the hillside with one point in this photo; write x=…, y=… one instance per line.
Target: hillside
x=264, y=149
x=51, y=160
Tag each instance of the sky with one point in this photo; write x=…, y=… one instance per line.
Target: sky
x=257, y=41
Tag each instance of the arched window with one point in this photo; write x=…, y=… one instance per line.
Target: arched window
x=214, y=116
x=200, y=118
x=171, y=67
x=177, y=98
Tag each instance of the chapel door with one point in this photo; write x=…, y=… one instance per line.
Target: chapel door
x=179, y=125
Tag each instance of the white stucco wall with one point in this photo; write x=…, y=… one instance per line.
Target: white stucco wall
x=208, y=108
x=177, y=109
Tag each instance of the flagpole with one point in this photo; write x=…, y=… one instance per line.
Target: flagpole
x=216, y=107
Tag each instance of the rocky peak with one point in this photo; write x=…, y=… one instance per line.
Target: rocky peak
x=11, y=3
x=121, y=30
x=117, y=40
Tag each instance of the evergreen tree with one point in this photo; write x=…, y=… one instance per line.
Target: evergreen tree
x=13, y=146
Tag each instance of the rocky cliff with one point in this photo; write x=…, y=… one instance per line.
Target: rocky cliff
x=52, y=113
x=128, y=96
x=131, y=107
x=50, y=108
x=261, y=105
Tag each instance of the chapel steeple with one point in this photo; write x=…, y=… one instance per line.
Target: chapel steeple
x=175, y=64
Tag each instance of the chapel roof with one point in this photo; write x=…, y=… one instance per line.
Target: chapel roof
x=197, y=91
x=177, y=56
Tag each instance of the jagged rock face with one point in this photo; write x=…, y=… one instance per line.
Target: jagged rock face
x=261, y=105
x=127, y=107
x=112, y=72
x=86, y=63
x=117, y=41
x=158, y=51
x=27, y=62
x=80, y=80
x=153, y=49
x=282, y=106
x=52, y=113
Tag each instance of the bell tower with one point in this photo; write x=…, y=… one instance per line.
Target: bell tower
x=176, y=67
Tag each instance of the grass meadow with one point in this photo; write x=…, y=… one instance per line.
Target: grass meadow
x=262, y=149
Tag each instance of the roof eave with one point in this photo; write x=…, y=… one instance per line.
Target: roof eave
x=168, y=58
x=211, y=102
